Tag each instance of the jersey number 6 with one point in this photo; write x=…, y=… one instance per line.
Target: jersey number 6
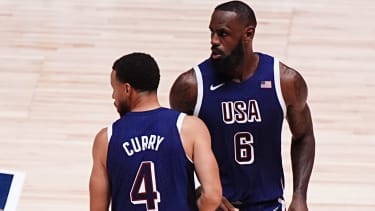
x=243, y=148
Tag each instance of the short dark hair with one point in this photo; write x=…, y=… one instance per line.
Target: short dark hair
x=243, y=11
x=140, y=70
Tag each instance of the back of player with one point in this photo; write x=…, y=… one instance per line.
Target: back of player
x=245, y=121
x=147, y=165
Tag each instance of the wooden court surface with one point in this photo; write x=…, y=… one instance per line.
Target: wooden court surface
x=56, y=57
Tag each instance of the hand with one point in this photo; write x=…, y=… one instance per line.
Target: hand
x=225, y=205
x=298, y=204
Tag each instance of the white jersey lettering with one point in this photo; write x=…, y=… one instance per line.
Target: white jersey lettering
x=143, y=143
x=240, y=112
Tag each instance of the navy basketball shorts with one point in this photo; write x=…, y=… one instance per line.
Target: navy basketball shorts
x=273, y=205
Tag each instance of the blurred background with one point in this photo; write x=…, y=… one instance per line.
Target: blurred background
x=55, y=94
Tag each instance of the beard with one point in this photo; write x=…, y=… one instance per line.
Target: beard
x=122, y=108
x=226, y=66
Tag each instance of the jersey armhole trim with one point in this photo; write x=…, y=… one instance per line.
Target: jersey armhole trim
x=198, y=104
x=179, y=121
x=109, y=132
x=276, y=71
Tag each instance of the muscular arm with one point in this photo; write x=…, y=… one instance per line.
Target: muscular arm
x=183, y=97
x=197, y=145
x=303, y=142
x=99, y=186
x=183, y=94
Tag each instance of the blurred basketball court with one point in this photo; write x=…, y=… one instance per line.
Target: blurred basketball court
x=55, y=63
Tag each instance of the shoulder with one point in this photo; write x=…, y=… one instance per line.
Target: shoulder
x=193, y=126
x=186, y=81
x=186, y=78
x=293, y=85
x=101, y=140
x=193, y=122
x=183, y=93
x=194, y=134
x=102, y=133
x=100, y=147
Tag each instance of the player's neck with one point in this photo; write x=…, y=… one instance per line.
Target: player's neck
x=145, y=101
x=247, y=68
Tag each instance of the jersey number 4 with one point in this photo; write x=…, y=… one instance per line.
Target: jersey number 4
x=144, y=187
x=243, y=148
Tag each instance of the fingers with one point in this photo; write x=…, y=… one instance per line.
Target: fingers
x=222, y=208
x=225, y=205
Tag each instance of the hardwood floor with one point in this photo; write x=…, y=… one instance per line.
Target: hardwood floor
x=56, y=57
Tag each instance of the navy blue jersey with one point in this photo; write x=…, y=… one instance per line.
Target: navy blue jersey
x=147, y=165
x=245, y=121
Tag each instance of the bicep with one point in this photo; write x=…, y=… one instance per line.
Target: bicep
x=204, y=159
x=99, y=186
x=182, y=96
x=295, y=94
x=300, y=122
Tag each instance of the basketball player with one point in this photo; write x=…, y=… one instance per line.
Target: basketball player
x=146, y=159
x=243, y=97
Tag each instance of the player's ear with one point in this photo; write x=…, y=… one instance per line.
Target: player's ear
x=249, y=32
x=127, y=88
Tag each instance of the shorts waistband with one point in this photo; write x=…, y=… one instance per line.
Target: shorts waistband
x=240, y=203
